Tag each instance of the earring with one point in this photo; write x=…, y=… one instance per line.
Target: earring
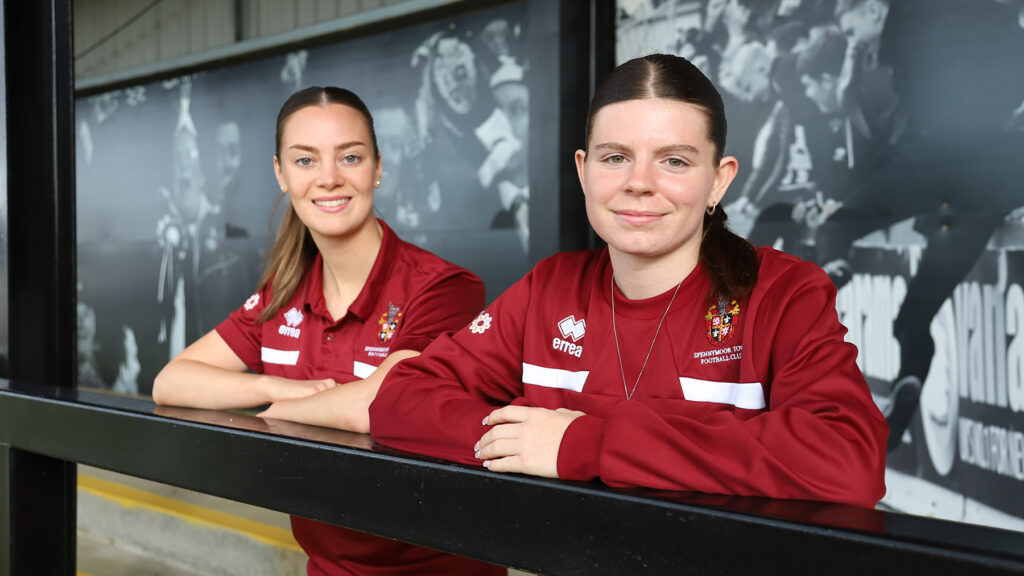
x=284, y=188
x=711, y=209
x=377, y=184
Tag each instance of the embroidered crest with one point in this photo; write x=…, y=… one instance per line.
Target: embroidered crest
x=389, y=323
x=252, y=302
x=480, y=324
x=721, y=321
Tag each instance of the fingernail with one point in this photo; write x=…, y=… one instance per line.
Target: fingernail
x=484, y=422
x=487, y=463
x=476, y=447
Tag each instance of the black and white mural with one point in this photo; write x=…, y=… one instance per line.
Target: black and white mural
x=176, y=187
x=884, y=140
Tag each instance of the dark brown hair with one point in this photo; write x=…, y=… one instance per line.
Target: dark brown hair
x=294, y=252
x=730, y=260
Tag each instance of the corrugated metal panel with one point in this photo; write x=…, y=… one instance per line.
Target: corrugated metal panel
x=177, y=29
x=172, y=29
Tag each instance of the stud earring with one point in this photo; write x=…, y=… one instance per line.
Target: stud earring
x=284, y=188
x=377, y=184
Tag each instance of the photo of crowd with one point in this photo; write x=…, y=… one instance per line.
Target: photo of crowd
x=173, y=228
x=882, y=139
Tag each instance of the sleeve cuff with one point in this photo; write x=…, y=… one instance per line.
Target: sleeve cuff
x=580, y=450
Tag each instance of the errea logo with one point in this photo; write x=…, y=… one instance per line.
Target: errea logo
x=572, y=328
x=293, y=318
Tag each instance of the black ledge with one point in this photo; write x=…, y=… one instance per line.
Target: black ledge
x=543, y=526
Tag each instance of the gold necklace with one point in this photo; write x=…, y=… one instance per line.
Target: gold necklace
x=615, y=334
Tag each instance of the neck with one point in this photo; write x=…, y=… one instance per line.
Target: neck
x=641, y=277
x=347, y=264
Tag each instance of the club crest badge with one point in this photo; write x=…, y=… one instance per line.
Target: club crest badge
x=722, y=321
x=389, y=323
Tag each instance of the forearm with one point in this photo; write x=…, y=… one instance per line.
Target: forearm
x=344, y=407
x=195, y=384
x=792, y=454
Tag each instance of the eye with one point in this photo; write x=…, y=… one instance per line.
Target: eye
x=351, y=159
x=676, y=162
x=304, y=161
x=615, y=159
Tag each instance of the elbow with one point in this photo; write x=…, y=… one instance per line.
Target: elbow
x=162, y=395
x=863, y=484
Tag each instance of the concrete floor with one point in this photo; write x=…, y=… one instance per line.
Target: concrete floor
x=133, y=527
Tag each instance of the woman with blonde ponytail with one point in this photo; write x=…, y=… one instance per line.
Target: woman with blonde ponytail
x=341, y=301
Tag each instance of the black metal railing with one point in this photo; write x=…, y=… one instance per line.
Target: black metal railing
x=537, y=525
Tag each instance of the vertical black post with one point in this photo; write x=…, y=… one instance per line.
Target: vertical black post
x=37, y=506
x=38, y=514
x=5, y=510
x=560, y=77
x=40, y=191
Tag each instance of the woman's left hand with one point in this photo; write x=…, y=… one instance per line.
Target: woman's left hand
x=524, y=439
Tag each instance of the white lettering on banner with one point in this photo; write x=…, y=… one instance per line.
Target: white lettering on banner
x=1015, y=351
x=749, y=395
x=868, y=306
x=992, y=448
x=989, y=370
x=988, y=331
x=554, y=377
x=283, y=357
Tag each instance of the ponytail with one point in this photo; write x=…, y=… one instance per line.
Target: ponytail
x=729, y=259
x=291, y=256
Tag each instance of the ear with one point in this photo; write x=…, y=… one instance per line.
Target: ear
x=279, y=175
x=724, y=176
x=378, y=173
x=581, y=157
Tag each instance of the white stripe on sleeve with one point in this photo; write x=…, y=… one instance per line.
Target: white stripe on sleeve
x=749, y=395
x=362, y=369
x=273, y=356
x=554, y=377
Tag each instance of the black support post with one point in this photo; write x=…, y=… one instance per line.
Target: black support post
x=37, y=502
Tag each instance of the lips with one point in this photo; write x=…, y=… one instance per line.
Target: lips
x=332, y=203
x=638, y=217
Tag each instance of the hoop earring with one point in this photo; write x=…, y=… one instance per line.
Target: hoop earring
x=711, y=209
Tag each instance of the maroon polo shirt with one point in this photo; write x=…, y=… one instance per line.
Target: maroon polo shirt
x=410, y=297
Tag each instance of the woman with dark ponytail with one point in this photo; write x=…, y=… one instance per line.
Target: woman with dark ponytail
x=679, y=357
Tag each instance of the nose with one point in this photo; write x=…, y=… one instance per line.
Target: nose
x=330, y=176
x=639, y=180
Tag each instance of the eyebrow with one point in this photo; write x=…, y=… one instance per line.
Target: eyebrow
x=684, y=149
x=342, y=146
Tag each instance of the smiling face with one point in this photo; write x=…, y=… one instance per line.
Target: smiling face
x=329, y=168
x=649, y=174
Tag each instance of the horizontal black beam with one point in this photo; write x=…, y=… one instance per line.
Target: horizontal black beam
x=543, y=526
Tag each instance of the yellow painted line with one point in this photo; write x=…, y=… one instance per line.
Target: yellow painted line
x=134, y=498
